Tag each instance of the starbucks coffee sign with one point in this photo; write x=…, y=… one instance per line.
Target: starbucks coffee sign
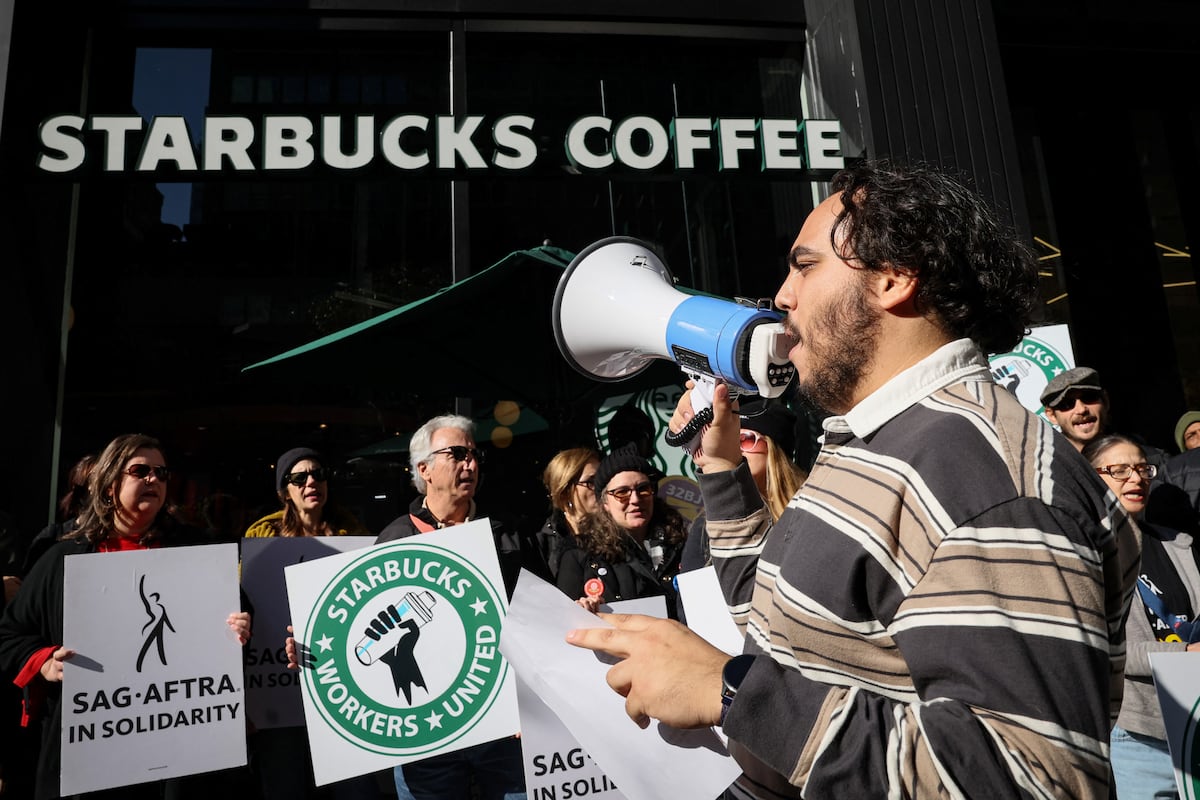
x=510, y=143
x=402, y=657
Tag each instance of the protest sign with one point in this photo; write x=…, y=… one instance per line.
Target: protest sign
x=1042, y=355
x=1178, y=684
x=401, y=656
x=646, y=763
x=273, y=690
x=155, y=688
x=556, y=765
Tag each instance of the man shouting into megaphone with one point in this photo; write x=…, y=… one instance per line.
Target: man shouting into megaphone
x=939, y=611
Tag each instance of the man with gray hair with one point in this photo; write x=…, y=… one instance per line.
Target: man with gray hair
x=446, y=471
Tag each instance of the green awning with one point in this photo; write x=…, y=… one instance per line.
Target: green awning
x=487, y=336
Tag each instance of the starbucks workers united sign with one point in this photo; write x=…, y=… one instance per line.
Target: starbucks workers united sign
x=402, y=651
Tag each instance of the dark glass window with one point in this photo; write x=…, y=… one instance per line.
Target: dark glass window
x=181, y=283
x=722, y=231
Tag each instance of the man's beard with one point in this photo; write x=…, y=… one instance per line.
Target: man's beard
x=842, y=349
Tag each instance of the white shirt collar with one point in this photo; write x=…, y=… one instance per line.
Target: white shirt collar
x=953, y=362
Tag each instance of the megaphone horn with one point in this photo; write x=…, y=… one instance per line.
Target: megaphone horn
x=616, y=309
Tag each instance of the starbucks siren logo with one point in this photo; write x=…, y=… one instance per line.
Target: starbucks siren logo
x=382, y=634
x=1027, y=369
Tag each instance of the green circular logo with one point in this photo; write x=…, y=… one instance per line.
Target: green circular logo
x=406, y=644
x=1189, y=763
x=1027, y=369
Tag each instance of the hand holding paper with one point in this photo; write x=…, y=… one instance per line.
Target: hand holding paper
x=654, y=762
x=666, y=671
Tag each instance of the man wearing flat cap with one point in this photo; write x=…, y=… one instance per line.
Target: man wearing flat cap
x=1175, y=500
x=1077, y=403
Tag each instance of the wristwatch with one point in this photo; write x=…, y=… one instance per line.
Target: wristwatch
x=731, y=680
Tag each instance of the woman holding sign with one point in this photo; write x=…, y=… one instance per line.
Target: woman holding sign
x=280, y=756
x=126, y=510
x=1161, y=620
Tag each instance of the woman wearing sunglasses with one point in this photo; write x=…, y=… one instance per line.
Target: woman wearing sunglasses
x=569, y=479
x=631, y=544
x=126, y=509
x=1160, y=621
x=302, y=485
x=280, y=756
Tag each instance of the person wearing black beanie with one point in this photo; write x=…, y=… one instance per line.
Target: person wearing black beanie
x=280, y=756
x=630, y=547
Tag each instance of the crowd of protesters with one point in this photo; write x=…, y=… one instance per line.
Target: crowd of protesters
x=868, y=518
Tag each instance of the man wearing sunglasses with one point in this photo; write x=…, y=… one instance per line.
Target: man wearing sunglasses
x=446, y=469
x=1077, y=403
x=939, y=612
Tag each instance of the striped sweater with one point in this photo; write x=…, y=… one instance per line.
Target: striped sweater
x=939, y=612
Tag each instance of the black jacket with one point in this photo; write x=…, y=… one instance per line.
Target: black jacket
x=514, y=549
x=628, y=578
x=554, y=539
x=1175, y=495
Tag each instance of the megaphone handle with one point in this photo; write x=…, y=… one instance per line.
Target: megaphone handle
x=688, y=437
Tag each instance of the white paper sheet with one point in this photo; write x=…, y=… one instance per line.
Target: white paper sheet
x=1177, y=680
x=706, y=611
x=648, y=764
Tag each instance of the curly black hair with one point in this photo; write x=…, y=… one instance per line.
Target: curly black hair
x=973, y=274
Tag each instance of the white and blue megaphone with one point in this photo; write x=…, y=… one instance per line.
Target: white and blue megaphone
x=617, y=309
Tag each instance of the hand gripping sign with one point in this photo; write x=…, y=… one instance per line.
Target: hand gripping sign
x=402, y=651
x=273, y=690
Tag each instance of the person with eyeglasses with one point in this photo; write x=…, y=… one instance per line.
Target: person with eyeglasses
x=126, y=509
x=1077, y=404
x=569, y=479
x=632, y=543
x=279, y=757
x=446, y=469
x=1162, y=619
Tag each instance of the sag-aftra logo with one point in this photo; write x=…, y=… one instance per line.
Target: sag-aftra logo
x=405, y=645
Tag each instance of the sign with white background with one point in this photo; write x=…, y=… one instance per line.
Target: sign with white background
x=400, y=643
x=155, y=688
x=272, y=690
